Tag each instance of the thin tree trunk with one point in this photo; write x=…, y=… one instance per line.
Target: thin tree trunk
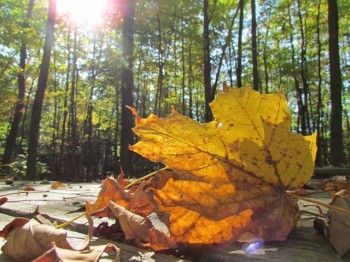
x=303, y=74
x=40, y=93
x=65, y=106
x=336, y=140
x=265, y=55
x=127, y=86
x=207, y=61
x=183, y=72
x=71, y=164
x=21, y=79
x=239, y=48
x=319, y=114
x=301, y=111
x=254, y=48
x=190, y=81
x=55, y=124
x=159, y=96
x=223, y=53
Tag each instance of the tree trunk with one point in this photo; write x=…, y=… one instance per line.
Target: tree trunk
x=239, y=48
x=319, y=113
x=60, y=161
x=336, y=140
x=207, y=62
x=254, y=49
x=127, y=86
x=71, y=164
x=21, y=80
x=40, y=92
x=303, y=73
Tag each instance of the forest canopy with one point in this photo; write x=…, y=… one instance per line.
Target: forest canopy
x=153, y=55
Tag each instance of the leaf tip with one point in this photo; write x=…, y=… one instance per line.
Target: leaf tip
x=135, y=113
x=225, y=86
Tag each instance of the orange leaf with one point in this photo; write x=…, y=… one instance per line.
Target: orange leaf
x=57, y=185
x=110, y=191
x=227, y=179
x=134, y=199
x=28, y=188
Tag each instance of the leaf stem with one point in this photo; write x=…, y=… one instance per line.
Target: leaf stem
x=311, y=200
x=70, y=221
x=143, y=178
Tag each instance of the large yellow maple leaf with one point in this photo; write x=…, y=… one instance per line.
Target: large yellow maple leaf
x=226, y=180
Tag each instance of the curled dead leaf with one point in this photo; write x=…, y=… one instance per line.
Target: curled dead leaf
x=339, y=223
x=28, y=239
x=141, y=229
x=32, y=240
x=134, y=199
x=91, y=255
x=14, y=224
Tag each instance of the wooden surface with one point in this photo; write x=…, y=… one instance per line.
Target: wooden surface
x=303, y=244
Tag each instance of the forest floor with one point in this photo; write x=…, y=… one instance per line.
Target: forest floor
x=64, y=203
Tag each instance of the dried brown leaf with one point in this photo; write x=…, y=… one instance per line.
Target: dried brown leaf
x=141, y=229
x=339, y=223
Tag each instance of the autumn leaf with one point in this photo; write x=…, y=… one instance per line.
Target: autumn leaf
x=56, y=185
x=28, y=188
x=61, y=254
x=339, y=223
x=134, y=199
x=226, y=180
x=111, y=190
x=16, y=223
x=141, y=229
x=32, y=240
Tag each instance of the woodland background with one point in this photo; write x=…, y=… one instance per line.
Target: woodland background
x=64, y=86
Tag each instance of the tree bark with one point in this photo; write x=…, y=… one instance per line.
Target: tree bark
x=239, y=48
x=254, y=48
x=40, y=92
x=319, y=111
x=21, y=80
x=127, y=86
x=336, y=139
x=207, y=62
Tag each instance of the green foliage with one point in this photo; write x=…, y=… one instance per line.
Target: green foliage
x=168, y=70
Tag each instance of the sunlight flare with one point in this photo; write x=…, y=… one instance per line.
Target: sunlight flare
x=89, y=13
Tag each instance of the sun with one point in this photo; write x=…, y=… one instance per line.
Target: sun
x=87, y=13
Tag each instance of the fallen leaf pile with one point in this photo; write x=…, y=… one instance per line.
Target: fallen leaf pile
x=224, y=181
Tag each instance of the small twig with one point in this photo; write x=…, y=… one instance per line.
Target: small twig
x=311, y=200
x=312, y=213
x=24, y=192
